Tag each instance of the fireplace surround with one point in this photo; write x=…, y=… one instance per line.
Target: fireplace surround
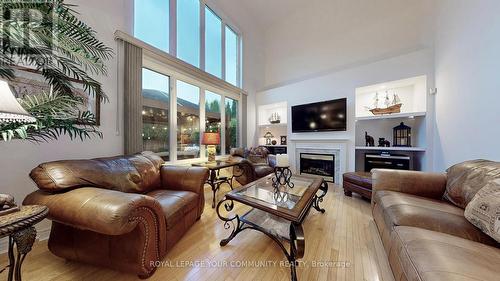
x=318, y=164
x=320, y=145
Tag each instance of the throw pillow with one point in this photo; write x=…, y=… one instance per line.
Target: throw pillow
x=467, y=178
x=484, y=210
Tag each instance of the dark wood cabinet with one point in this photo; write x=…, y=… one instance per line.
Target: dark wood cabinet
x=276, y=149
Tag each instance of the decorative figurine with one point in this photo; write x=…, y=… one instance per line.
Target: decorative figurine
x=275, y=118
x=370, y=141
x=390, y=107
x=383, y=143
x=7, y=204
x=268, y=137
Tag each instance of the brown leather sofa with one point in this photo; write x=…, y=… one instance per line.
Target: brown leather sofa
x=254, y=163
x=426, y=237
x=122, y=212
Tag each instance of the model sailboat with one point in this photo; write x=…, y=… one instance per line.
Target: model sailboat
x=393, y=106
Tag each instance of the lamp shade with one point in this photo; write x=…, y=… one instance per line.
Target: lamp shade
x=10, y=109
x=210, y=139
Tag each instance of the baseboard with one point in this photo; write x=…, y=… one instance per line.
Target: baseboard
x=41, y=235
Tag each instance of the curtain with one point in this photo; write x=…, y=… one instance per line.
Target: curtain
x=132, y=98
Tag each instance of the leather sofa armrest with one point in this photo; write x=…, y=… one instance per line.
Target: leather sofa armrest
x=103, y=211
x=430, y=185
x=186, y=178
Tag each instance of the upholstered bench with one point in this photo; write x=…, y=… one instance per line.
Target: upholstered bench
x=359, y=182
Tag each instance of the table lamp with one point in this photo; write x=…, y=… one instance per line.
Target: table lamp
x=10, y=111
x=211, y=140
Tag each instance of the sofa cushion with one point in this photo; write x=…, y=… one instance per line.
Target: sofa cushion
x=467, y=178
x=175, y=204
x=401, y=209
x=138, y=173
x=484, y=210
x=423, y=255
x=263, y=170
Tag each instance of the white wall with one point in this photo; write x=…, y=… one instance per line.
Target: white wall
x=468, y=81
x=343, y=83
x=19, y=157
x=330, y=35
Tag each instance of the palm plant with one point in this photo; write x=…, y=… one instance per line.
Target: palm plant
x=65, y=51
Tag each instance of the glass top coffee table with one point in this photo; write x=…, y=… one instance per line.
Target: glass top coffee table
x=276, y=212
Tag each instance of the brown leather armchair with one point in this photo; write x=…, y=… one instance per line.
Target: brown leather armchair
x=122, y=212
x=254, y=163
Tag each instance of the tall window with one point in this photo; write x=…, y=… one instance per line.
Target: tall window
x=213, y=114
x=231, y=56
x=231, y=108
x=156, y=101
x=188, y=121
x=188, y=31
x=213, y=43
x=152, y=24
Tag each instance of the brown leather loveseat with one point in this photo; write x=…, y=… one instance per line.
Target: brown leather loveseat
x=420, y=218
x=122, y=212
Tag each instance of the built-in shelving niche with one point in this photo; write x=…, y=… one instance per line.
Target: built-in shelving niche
x=413, y=95
x=264, y=112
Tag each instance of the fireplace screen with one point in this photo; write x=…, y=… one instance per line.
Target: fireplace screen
x=318, y=164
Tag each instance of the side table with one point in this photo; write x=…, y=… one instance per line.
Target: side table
x=214, y=180
x=19, y=227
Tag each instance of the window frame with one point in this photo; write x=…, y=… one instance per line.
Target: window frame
x=225, y=22
x=153, y=64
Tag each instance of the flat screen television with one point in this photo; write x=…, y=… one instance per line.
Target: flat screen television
x=320, y=116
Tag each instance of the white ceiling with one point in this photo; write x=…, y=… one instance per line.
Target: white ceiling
x=266, y=12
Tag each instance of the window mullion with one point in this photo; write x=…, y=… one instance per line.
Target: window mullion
x=203, y=122
x=223, y=126
x=202, y=36
x=173, y=28
x=173, y=118
x=238, y=62
x=223, y=49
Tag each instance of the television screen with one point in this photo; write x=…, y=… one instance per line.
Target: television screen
x=320, y=116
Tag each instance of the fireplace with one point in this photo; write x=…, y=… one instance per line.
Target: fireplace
x=318, y=164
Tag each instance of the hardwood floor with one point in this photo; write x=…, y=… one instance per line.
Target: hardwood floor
x=345, y=234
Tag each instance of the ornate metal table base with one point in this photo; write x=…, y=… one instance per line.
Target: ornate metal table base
x=215, y=182
x=319, y=198
x=19, y=227
x=296, y=238
x=23, y=240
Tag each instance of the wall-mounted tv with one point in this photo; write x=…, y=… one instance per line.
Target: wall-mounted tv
x=320, y=116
